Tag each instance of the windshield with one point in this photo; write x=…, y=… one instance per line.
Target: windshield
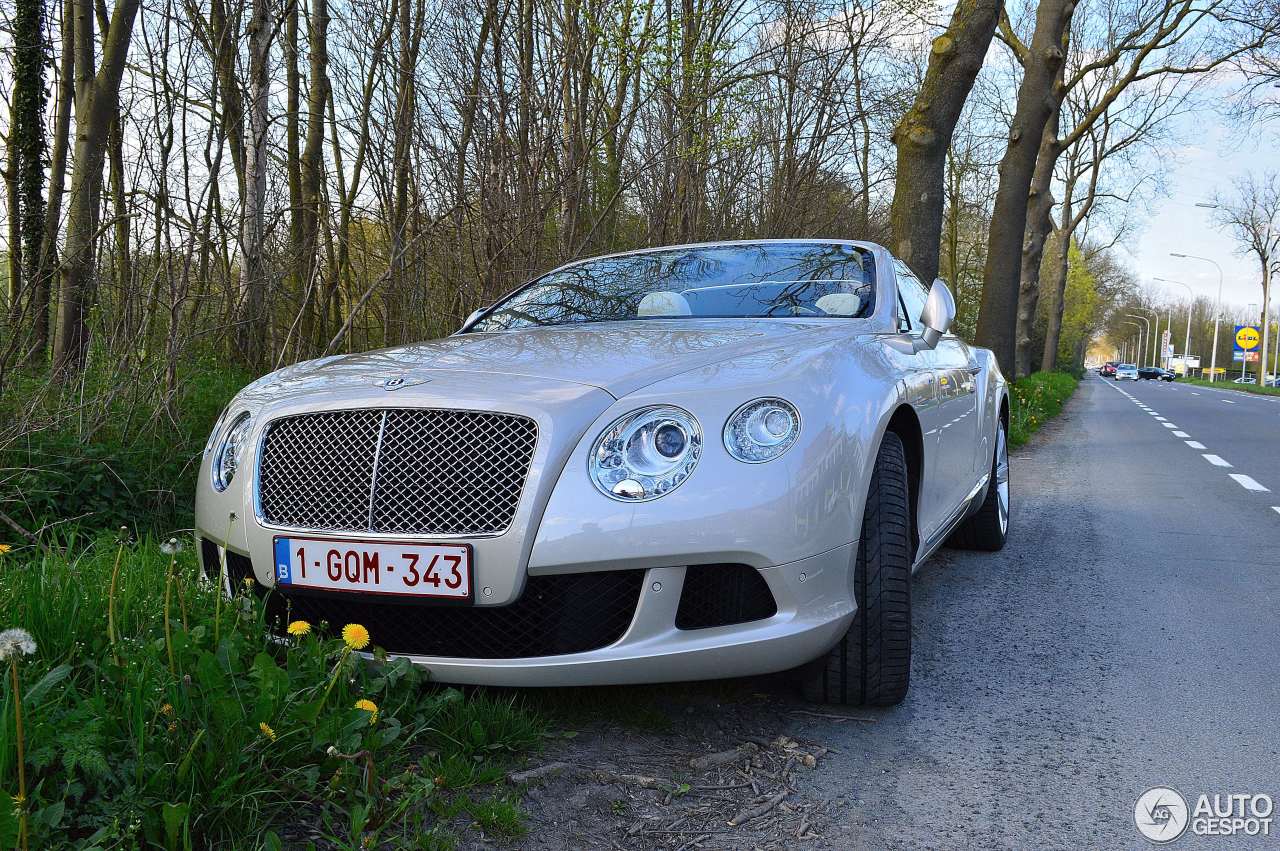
x=766, y=280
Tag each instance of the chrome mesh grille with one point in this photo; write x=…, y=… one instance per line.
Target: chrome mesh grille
x=400, y=471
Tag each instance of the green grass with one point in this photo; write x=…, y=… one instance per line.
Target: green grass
x=1225, y=384
x=153, y=739
x=1034, y=400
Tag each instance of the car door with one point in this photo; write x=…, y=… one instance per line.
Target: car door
x=957, y=372
x=953, y=416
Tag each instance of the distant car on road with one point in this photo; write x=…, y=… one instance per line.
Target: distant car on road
x=1247, y=379
x=1126, y=370
x=1108, y=369
x=1151, y=373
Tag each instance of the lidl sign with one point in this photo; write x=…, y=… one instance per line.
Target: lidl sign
x=1248, y=338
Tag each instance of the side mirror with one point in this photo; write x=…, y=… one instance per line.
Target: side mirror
x=938, y=314
x=472, y=319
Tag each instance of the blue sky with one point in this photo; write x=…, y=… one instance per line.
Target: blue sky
x=1213, y=153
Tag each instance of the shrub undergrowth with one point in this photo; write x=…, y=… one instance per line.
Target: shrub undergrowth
x=104, y=453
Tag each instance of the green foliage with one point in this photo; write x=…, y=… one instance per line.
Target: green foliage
x=242, y=736
x=1034, y=400
x=132, y=464
x=1081, y=306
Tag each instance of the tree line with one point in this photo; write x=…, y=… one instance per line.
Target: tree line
x=286, y=179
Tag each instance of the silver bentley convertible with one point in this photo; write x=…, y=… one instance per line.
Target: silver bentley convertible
x=681, y=463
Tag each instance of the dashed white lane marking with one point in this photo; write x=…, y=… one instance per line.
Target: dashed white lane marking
x=1180, y=434
x=1157, y=416
x=1276, y=509
x=1195, y=444
x=1228, y=401
x=1194, y=393
x=1247, y=483
x=1168, y=425
x=1216, y=461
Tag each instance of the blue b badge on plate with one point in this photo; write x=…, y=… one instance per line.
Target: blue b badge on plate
x=282, y=561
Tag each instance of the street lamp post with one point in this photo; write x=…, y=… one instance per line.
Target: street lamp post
x=1217, y=309
x=1186, y=345
x=1142, y=345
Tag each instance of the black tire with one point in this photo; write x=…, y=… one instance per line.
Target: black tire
x=988, y=528
x=871, y=664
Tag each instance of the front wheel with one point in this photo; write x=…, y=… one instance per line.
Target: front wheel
x=988, y=529
x=871, y=664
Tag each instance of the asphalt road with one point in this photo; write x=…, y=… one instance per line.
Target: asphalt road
x=1127, y=637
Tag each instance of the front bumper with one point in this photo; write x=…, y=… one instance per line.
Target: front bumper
x=814, y=606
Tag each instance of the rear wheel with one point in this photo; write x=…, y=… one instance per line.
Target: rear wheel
x=988, y=529
x=871, y=664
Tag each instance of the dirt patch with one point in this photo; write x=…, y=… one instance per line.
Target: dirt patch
x=702, y=766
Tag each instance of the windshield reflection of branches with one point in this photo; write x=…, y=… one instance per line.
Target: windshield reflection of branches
x=716, y=281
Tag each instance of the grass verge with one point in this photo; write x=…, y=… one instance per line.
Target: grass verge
x=1225, y=384
x=1034, y=400
x=157, y=713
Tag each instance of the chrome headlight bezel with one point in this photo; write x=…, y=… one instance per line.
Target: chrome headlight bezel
x=748, y=433
x=228, y=451
x=627, y=463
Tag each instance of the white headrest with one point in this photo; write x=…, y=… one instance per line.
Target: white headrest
x=664, y=304
x=839, y=304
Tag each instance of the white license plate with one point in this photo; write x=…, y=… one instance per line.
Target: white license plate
x=374, y=567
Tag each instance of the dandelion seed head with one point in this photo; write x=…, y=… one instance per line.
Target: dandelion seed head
x=15, y=643
x=171, y=547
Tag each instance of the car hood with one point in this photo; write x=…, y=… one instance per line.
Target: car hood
x=617, y=357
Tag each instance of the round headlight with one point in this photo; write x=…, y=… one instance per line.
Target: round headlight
x=646, y=453
x=226, y=458
x=761, y=430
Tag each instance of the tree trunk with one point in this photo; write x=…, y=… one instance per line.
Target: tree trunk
x=1037, y=101
x=293, y=140
x=1039, y=223
x=923, y=136
x=406, y=99
x=252, y=296
x=13, y=196
x=312, y=163
x=27, y=136
x=1057, y=287
x=97, y=94
x=46, y=265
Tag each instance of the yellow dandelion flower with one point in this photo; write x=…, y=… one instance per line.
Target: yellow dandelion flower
x=267, y=731
x=173, y=727
x=248, y=582
x=4, y=548
x=355, y=636
x=298, y=628
x=370, y=707
x=167, y=709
